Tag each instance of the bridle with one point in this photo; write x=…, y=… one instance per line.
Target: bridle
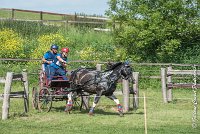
x=126, y=72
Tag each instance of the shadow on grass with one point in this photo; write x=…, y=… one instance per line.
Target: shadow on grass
x=18, y=114
x=76, y=110
x=141, y=113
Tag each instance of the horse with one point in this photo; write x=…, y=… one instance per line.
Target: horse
x=101, y=82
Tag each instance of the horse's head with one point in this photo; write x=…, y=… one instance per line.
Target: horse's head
x=126, y=71
x=123, y=69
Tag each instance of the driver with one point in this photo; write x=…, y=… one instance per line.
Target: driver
x=58, y=67
x=48, y=59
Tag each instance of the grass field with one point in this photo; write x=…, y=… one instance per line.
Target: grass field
x=174, y=117
x=28, y=15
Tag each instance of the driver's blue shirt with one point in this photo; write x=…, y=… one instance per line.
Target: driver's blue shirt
x=49, y=56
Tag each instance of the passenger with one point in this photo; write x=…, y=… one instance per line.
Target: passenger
x=58, y=67
x=48, y=58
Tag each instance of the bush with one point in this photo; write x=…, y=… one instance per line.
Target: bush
x=45, y=41
x=11, y=44
x=97, y=52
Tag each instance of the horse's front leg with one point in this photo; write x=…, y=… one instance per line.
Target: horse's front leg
x=119, y=106
x=96, y=100
x=69, y=104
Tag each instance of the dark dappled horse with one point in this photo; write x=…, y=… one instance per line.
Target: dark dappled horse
x=101, y=83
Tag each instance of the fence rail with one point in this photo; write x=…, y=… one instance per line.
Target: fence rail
x=168, y=84
x=65, y=18
x=62, y=21
x=104, y=62
x=150, y=73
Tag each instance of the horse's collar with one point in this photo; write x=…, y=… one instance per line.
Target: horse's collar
x=107, y=73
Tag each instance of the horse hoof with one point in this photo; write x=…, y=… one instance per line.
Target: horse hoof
x=68, y=109
x=91, y=114
x=121, y=114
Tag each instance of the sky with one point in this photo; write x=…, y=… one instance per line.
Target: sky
x=89, y=7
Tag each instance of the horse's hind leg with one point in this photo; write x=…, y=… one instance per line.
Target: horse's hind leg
x=96, y=100
x=68, y=107
x=119, y=106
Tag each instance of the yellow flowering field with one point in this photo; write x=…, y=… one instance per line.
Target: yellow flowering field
x=45, y=41
x=11, y=44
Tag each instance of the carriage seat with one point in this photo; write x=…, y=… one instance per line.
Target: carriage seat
x=57, y=80
x=60, y=83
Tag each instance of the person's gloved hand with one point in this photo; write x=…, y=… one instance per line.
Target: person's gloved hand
x=48, y=62
x=64, y=62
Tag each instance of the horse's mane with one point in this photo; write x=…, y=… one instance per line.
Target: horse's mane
x=113, y=66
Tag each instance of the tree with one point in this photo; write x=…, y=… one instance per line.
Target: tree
x=156, y=30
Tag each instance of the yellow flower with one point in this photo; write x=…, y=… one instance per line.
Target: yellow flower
x=45, y=41
x=11, y=44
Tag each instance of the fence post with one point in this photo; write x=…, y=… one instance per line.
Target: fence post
x=26, y=90
x=41, y=16
x=113, y=25
x=126, y=94
x=75, y=17
x=135, y=90
x=98, y=67
x=13, y=13
x=163, y=81
x=169, y=80
x=66, y=24
x=6, y=98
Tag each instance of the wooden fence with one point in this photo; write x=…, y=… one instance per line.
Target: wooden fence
x=157, y=76
x=103, y=62
x=62, y=18
x=168, y=84
x=20, y=94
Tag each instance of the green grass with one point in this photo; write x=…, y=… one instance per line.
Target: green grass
x=174, y=117
x=5, y=14
x=28, y=15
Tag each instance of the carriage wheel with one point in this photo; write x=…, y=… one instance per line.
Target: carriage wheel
x=44, y=100
x=81, y=101
x=76, y=100
x=35, y=98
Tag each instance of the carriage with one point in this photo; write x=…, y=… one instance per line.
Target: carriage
x=82, y=83
x=57, y=90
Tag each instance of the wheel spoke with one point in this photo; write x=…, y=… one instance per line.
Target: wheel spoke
x=45, y=100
